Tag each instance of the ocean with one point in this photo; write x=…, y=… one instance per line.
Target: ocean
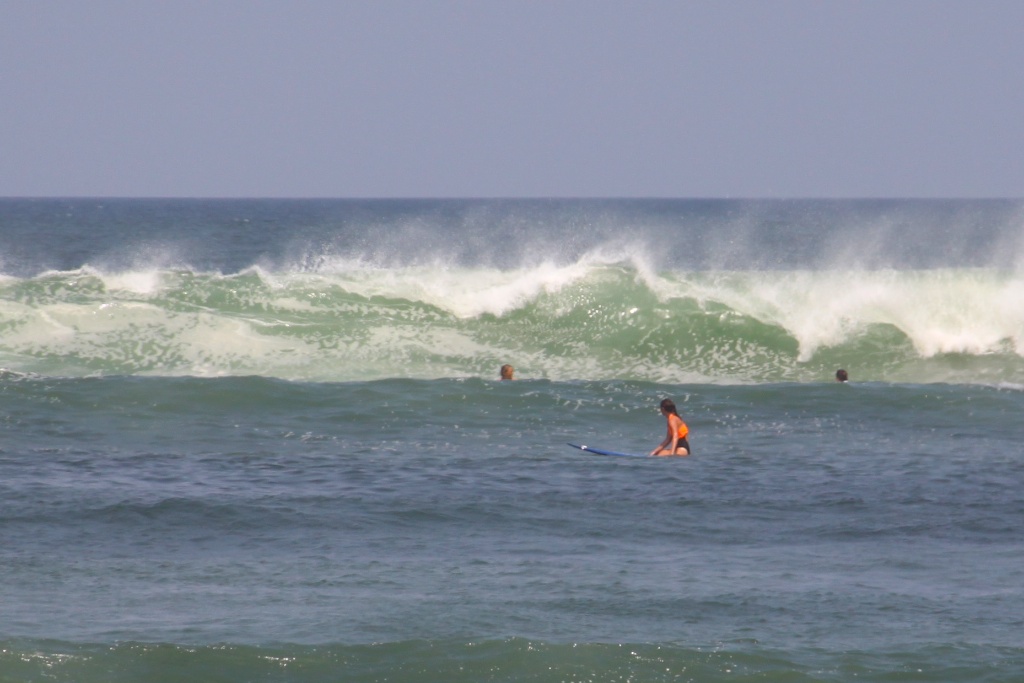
x=266, y=440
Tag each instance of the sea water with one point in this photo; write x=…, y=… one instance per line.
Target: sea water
x=265, y=440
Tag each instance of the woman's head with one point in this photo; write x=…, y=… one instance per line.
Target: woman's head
x=667, y=406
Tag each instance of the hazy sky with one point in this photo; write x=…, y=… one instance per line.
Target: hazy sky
x=489, y=98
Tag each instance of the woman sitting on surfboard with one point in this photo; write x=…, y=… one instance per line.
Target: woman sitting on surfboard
x=675, y=442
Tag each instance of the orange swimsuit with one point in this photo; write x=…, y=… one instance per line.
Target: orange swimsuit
x=682, y=442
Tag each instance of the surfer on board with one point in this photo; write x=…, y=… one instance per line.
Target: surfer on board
x=675, y=442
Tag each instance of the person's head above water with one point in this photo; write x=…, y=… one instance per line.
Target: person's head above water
x=507, y=371
x=842, y=376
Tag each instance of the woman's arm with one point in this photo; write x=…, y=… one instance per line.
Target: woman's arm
x=667, y=441
x=673, y=433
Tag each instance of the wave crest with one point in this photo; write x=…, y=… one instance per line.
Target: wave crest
x=608, y=315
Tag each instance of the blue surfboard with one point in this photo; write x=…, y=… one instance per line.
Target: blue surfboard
x=601, y=451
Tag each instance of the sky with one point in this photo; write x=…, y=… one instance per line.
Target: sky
x=512, y=98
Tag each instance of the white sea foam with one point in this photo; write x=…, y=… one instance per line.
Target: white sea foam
x=940, y=311
x=138, y=282
x=460, y=291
